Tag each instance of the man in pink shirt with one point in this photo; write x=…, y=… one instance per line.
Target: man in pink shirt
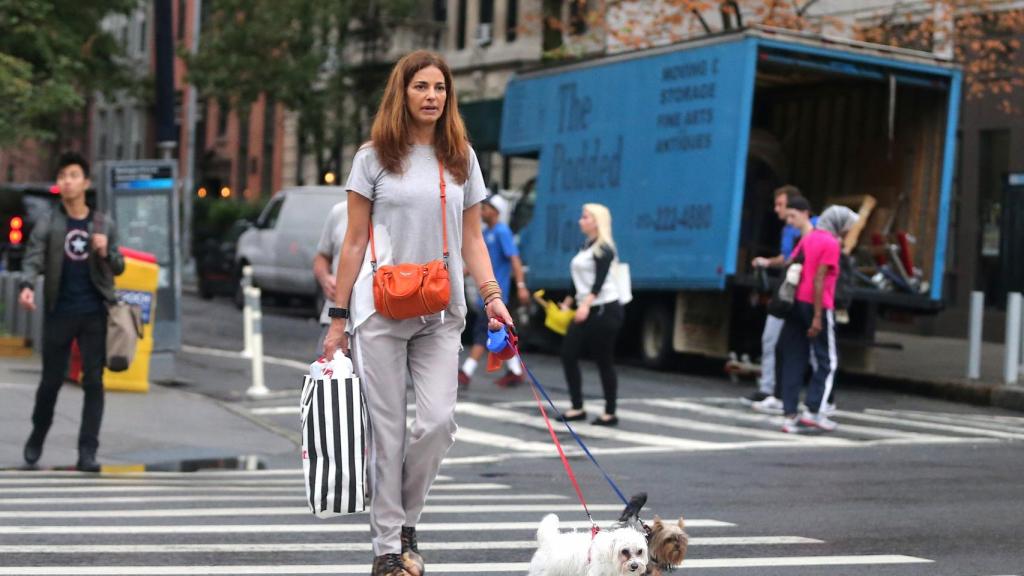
x=810, y=326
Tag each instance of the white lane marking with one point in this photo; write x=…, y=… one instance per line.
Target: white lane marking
x=490, y=567
x=591, y=431
x=953, y=419
x=504, y=441
x=48, y=549
x=762, y=419
x=274, y=410
x=142, y=481
x=698, y=426
x=157, y=474
x=218, y=353
x=291, y=511
x=58, y=501
x=213, y=488
x=359, y=528
x=907, y=423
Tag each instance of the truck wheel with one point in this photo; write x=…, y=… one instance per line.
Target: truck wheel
x=656, y=335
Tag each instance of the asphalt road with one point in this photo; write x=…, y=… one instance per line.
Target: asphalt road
x=905, y=486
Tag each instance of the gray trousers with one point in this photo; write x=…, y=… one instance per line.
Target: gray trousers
x=769, y=339
x=404, y=461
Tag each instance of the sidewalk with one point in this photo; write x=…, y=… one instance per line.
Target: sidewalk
x=161, y=427
x=937, y=367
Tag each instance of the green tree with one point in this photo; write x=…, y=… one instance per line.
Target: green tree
x=53, y=55
x=320, y=59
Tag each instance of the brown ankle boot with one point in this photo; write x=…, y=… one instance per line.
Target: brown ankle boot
x=411, y=553
x=388, y=565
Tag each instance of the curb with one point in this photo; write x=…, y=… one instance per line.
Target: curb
x=981, y=394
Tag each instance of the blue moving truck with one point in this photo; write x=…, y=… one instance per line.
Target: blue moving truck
x=686, y=144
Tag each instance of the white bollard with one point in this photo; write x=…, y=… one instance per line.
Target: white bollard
x=974, y=335
x=247, y=311
x=1011, y=365
x=259, y=387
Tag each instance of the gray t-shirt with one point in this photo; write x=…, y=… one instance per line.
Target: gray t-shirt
x=331, y=239
x=407, y=218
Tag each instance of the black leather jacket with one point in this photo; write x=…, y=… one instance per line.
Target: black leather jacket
x=45, y=255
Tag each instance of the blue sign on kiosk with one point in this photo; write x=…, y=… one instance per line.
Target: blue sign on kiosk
x=142, y=196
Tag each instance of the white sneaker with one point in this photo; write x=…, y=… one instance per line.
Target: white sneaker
x=829, y=410
x=791, y=425
x=819, y=421
x=770, y=405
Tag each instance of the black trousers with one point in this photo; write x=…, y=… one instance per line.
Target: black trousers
x=796, y=351
x=597, y=335
x=59, y=332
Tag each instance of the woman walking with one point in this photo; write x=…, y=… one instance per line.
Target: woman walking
x=598, y=314
x=413, y=191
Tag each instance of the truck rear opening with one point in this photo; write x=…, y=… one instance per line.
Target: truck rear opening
x=851, y=133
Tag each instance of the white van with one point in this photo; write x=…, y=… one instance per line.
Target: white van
x=281, y=245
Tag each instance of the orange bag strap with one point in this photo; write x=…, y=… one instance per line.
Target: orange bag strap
x=444, y=222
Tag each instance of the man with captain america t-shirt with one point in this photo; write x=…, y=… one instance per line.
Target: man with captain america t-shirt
x=75, y=249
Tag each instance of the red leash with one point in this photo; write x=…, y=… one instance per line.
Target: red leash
x=565, y=461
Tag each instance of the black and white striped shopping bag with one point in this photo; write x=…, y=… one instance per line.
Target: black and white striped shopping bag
x=334, y=446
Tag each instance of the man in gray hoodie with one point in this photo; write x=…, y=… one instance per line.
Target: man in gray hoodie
x=76, y=251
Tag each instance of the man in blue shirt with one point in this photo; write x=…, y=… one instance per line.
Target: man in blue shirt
x=765, y=399
x=501, y=245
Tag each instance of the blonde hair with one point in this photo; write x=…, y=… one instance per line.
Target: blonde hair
x=390, y=132
x=603, y=218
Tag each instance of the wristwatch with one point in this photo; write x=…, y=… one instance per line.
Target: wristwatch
x=333, y=312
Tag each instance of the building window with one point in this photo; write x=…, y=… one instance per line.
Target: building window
x=143, y=44
x=577, y=17
x=486, y=11
x=460, y=26
x=181, y=19
x=102, y=128
x=512, y=18
x=222, y=117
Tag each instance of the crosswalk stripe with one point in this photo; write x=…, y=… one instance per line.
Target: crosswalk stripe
x=762, y=419
x=599, y=432
x=274, y=410
x=482, y=486
x=290, y=511
x=107, y=480
x=162, y=499
x=362, y=527
x=502, y=441
x=458, y=568
x=350, y=546
x=156, y=474
x=870, y=417
x=950, y=419
x=698, y=426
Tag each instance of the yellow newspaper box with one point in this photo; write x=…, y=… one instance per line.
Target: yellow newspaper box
x=137, y=285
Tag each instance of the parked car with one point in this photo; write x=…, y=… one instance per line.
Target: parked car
x=215, y=262
x=281, y=245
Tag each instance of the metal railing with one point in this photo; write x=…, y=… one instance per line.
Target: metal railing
x=15, y=320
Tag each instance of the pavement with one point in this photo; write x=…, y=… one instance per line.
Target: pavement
x=160, y=429
x=936, y=367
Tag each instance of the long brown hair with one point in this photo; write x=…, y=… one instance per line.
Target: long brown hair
x=390, y=131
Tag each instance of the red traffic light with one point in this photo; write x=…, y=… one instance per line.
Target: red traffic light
x=17, y=223
x=15, y=236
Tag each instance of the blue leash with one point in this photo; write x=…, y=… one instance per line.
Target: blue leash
x=544, y=393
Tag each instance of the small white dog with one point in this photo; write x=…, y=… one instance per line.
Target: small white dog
x=618, y=552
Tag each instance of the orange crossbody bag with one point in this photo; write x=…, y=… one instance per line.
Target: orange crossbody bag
x=404, y=291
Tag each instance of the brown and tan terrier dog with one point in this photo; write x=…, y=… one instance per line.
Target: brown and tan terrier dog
x=666, y=545
x=666, y=542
